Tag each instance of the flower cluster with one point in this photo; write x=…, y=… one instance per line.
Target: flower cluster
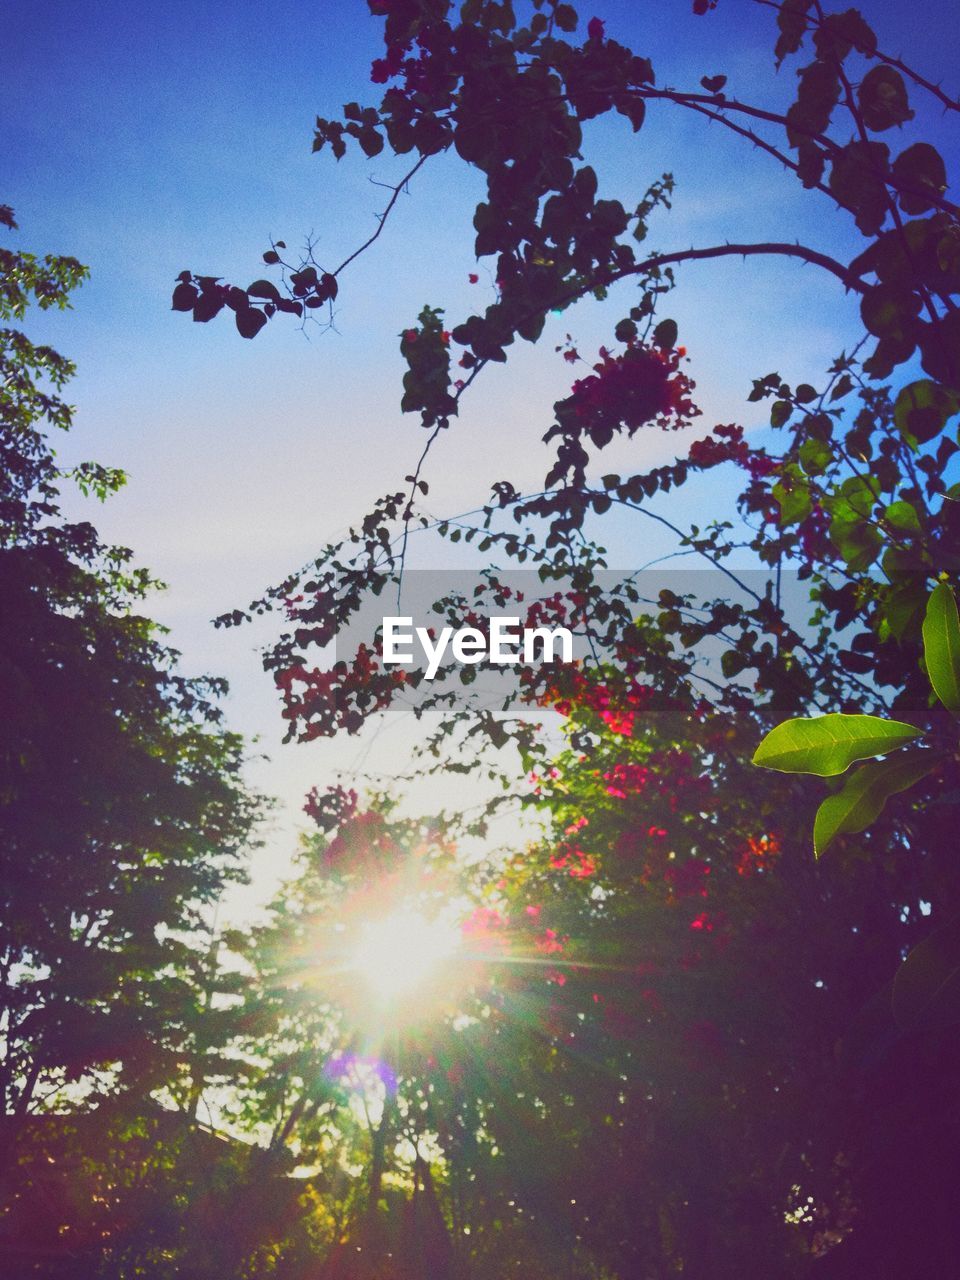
x=363, y=846
x=759, y=856
x=569, y=855
x=324, y=702
x=618, y=707
x=642, y=385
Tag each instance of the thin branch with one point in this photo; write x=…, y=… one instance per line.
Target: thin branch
x=408, y=510
x=757, y=142
x=851, y=105
x=771, y=248
x=382, y=217
x=684, y=98
x=952, y=104
x=653, y=263
x=652, y=515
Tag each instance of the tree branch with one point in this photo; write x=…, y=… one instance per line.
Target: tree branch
x=382, y=217
x=952, y=104
x=769, y=248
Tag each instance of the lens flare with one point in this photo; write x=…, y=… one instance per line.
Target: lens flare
x=402, y=953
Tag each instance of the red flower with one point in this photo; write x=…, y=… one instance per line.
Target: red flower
x=759, y=855
x=641, y=386
x=549, y=943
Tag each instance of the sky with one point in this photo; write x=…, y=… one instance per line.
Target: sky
x=148, y=139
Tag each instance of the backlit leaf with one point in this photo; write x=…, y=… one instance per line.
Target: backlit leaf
x=827, y=745
x=941, y=646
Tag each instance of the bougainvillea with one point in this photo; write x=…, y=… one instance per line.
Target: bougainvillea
x=681, y=931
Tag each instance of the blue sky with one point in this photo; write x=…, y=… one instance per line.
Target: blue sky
x=145, y=139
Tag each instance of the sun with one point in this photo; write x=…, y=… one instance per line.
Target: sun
x=403, y=953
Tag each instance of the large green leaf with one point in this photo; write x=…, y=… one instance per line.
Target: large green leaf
x=865, y=792
x=941, y=645
x=826, y=745
x=926, y=989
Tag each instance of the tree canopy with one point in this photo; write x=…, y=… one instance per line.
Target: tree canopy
x=660, y=1034
x=124, y=814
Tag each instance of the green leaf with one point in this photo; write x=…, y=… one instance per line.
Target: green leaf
x=926, y=989
x=815, y=456
x=827, y=745
x=865, y=793
x=794, y=501
x=903, y=600
x=851, y=529
x=941, y=646
x=902, y=515
x=857, y=541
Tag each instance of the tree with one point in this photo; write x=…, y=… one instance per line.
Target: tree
x=123, y=814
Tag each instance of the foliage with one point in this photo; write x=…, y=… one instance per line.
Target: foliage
x=676, y=1042
x=860, y=480
x=123, y=812
x=828, y=744
x=699, y=970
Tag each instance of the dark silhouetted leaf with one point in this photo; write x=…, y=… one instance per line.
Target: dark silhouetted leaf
x=208, y=305
x=926, y=989
x=264, y=289
x=922, y=173
x=665, y=335
x=883, y=99
x=184, y=297
x=250, y=322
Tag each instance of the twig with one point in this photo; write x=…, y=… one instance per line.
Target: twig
x=382, y=217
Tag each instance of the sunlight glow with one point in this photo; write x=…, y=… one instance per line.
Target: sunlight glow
x=399, y=954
